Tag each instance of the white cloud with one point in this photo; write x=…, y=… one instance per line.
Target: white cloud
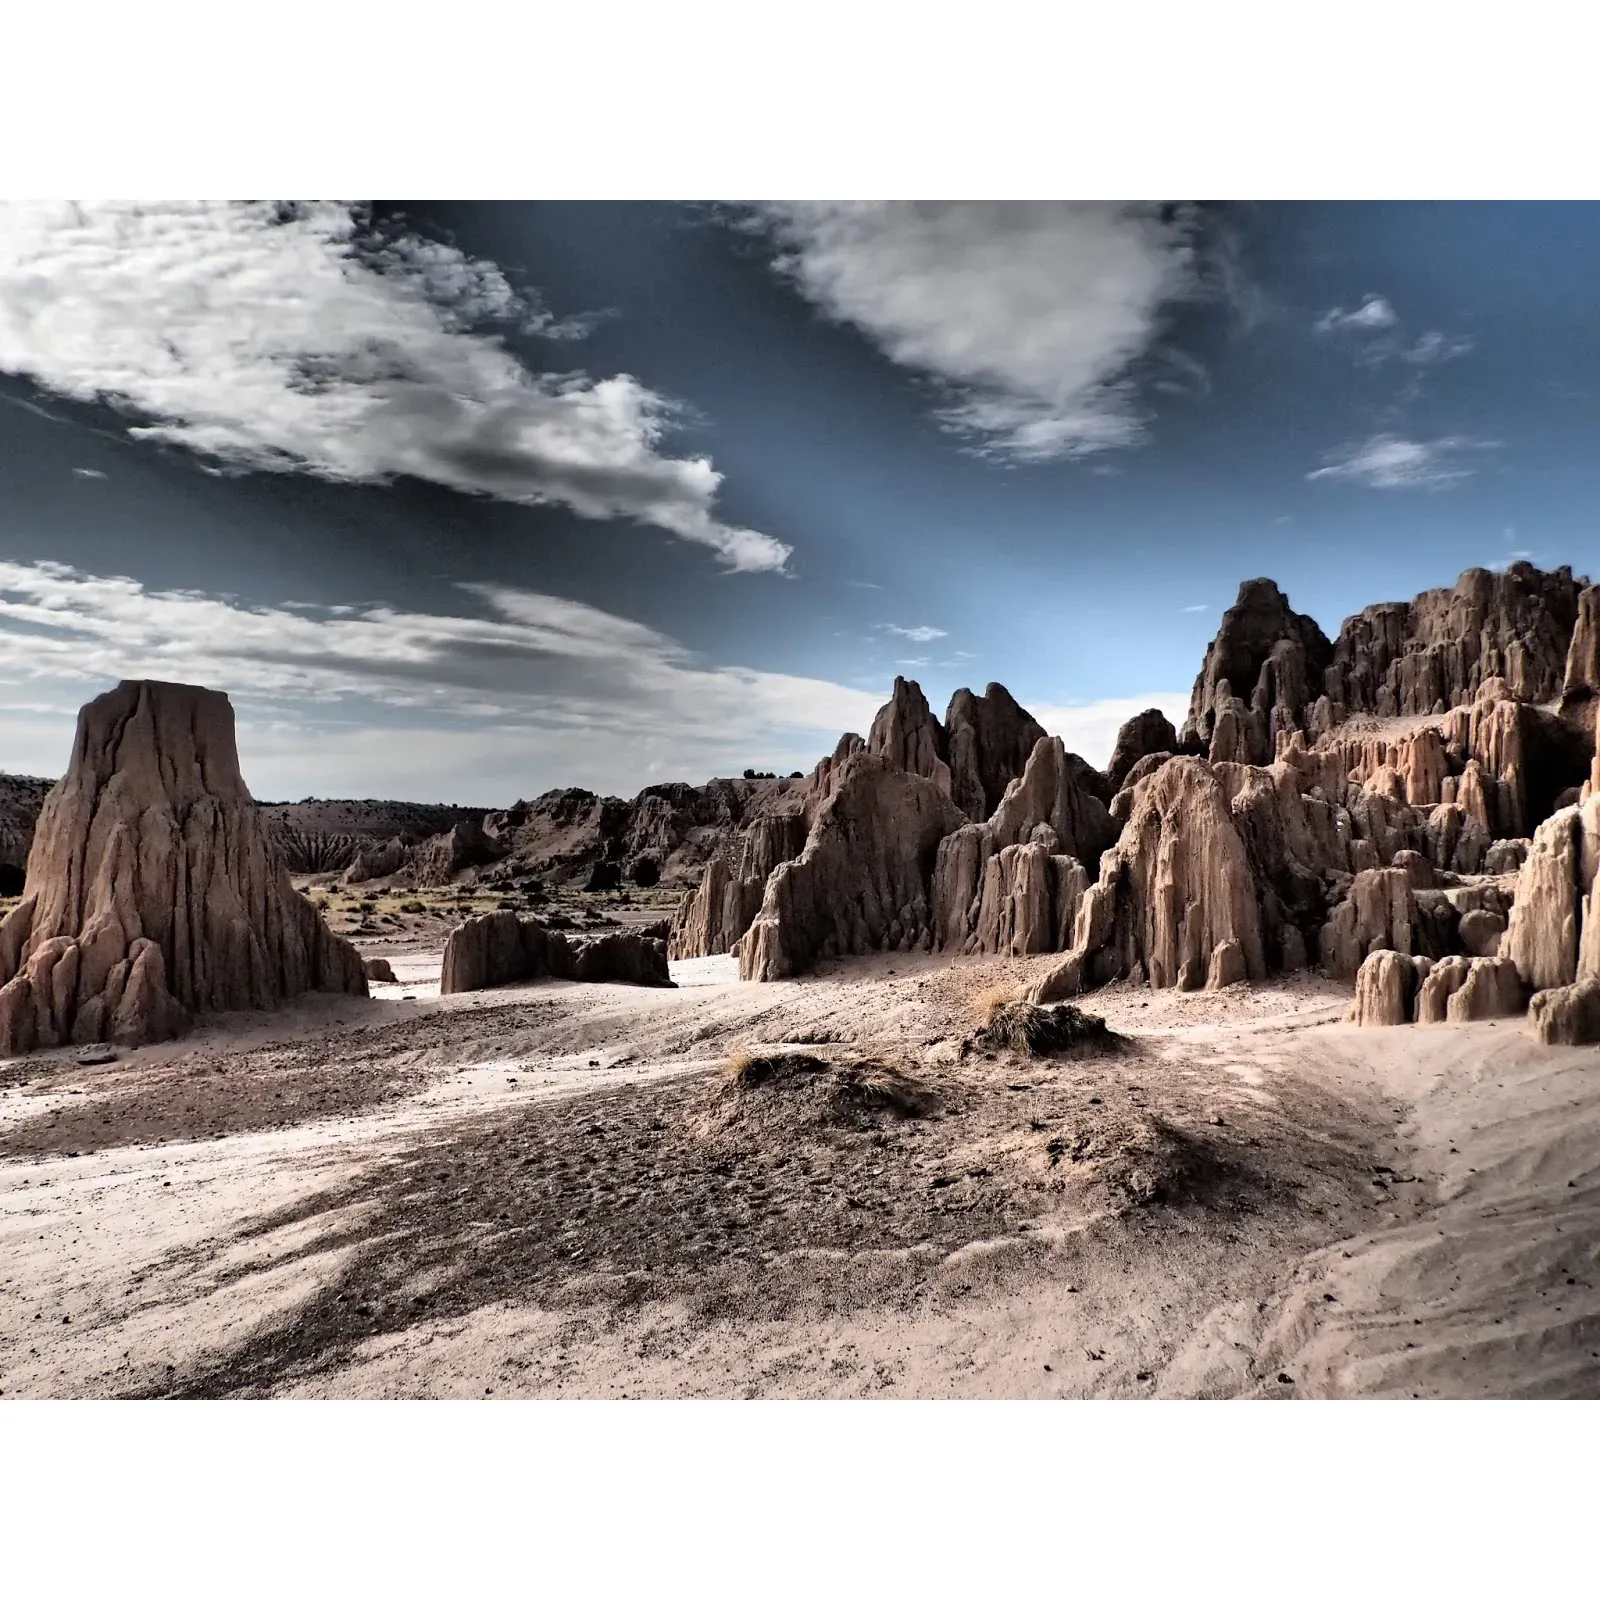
x=1373, y=315
x=918, y=635
x=276, y=339
x=1388, y=462
x=558, y=691
x=87, y=472
x=1375, y=322
x=1091, y=729
x=1433, y=349
x=1029, y=315
x=1190, y=610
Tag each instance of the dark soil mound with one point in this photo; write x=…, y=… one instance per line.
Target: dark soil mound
x=795, y=1090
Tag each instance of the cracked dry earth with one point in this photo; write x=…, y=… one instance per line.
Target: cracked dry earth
x=560, y=1190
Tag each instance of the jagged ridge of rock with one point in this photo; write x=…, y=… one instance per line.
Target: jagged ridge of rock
x=152, y=892
x=678, y=826
x=974, y=756
x=501, y=947
x=1409, y=658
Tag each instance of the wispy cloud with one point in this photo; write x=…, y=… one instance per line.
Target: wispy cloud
x=300, y=339
x=1190, y=610
x=1030, y=316
x=87, y=472
x=1433, y=349
x=1386, y=461
x=1375, y=328
x=1373, y=315
x=577, y=694
x=918, y=635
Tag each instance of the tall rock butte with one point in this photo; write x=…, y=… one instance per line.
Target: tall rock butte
x=152, y=892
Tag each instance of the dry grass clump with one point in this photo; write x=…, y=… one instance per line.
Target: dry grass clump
x=1014, y=1024
x=989, y=1003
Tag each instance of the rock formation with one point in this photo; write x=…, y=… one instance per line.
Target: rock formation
x=1409, y=658
x=1569, y=1015
x=1013, y=884
x=378, y=861
x=906, y=734
x=1177, y=884
x=1148, y=734
x=20, y=802
x=988, y=739
x=153, y=893
x=1542, y=937
x=1263, y=650
x=862, y=882
x=438, y=860
x=501, y=947
x=1386, y=987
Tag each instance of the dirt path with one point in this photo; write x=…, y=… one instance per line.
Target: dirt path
x=554, y=1190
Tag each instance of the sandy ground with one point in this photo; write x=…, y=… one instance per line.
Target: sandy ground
x=559, y=1190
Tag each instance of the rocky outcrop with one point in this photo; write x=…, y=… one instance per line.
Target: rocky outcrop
x=153, y=893
x=1493, y=988
x=436, y=861
x=1434, y=652
x=1542, y=937
x=906, y=734
x=1148, y=734
x=863, y=881
x=1264, y=651
x=1017, y=899
x=1379, y=913
x=378, y=970
x=1177, y=884
x=1481, y=932
x=988, y=739
x=1386, y=987
x=1051, y=793
x=677, y=827
x=378, y=861
x=20, y=802
x=1581, y=680
x=1012, y=884
x=1569, y=1015
x=328, y=835
x=502, y=947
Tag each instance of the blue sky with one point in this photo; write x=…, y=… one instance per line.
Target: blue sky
x=466, y=501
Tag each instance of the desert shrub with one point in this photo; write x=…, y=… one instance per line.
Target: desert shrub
x=1045, y=1030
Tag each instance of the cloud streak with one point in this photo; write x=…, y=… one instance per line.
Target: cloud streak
x=549, y=676
x=1386, y=461
x=298, y=339
x=918, y=635
x=1030, y=317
